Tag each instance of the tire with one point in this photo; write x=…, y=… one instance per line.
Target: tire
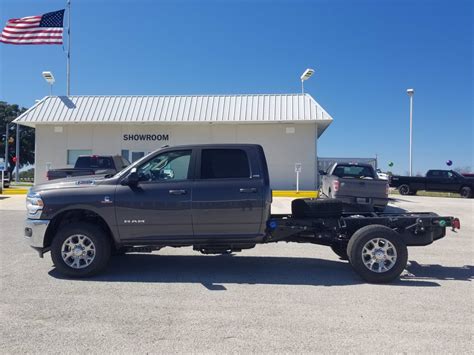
x=316, y=208
x=466, y=192
x=404, y=189
x=68, y=238
x=340, y=250
x=394, y=259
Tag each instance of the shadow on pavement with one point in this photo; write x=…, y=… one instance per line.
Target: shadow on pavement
x=438, y=272
x=214, y=271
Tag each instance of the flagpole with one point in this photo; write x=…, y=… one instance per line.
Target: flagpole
x=68, y=79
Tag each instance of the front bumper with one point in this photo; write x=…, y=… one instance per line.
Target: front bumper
x=35, y=232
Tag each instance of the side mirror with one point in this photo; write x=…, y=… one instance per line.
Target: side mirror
x=132, y=179
x=322, y=172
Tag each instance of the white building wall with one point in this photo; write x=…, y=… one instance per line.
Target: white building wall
x=282, y=149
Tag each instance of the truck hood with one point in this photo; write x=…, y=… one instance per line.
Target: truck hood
x=68, y=183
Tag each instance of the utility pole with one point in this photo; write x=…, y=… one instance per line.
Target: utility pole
x=410, y=93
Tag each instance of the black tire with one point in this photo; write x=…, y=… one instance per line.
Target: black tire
x=466, y=192
x=404, y=189
x=101, y=245
x=340, y=250
x=362, y=237
x=316, y=208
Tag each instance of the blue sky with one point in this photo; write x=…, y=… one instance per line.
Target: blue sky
x=366, y=54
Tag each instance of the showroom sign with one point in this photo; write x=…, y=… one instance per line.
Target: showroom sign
x=146, y=137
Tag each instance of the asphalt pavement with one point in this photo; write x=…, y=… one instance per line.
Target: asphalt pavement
x=276, y=298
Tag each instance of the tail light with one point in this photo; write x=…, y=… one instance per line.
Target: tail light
x=456, y=223
x=335, y=185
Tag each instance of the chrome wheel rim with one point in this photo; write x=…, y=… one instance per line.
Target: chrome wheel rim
x=78, y=251
x=379, y=255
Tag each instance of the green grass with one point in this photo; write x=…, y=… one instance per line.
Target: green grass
x=431, y=194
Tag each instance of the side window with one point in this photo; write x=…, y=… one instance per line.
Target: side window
x=167, y=166
x=224, y=164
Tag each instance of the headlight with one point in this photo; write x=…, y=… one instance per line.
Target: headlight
x=34, y=205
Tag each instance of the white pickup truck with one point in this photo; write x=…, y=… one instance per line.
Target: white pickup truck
x=355, y=183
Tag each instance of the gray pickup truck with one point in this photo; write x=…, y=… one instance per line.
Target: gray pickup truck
x=217, y=199
x=355, y=183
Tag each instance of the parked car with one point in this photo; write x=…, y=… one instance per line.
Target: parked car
x=355, y=183
x=216, y=198
x=91, y=165
x=435, y=180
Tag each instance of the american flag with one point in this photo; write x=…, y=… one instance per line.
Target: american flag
x=45, y=29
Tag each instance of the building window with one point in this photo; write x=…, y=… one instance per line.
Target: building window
x=137, y=155
x=73, y=154
x=126, y=154
x=224, y=164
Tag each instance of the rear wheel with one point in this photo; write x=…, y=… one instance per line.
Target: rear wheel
x=377, y=253
x=404, y=189
x=80, y=250
x=466, y=192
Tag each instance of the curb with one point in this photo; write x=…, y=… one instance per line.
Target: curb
x=292, y=193
x=9, y=191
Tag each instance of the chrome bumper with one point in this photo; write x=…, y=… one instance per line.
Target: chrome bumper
x=35, y=231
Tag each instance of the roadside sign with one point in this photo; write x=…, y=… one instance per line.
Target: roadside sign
x=2, y=166
x=297, y=167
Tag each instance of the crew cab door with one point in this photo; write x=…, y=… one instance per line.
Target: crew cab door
x=228, y=194
x=159, y=206
x=442, y=180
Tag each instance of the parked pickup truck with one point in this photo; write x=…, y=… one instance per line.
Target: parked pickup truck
x=215, y=198
x=435, y=180
x=355, y=183
x=91, y=165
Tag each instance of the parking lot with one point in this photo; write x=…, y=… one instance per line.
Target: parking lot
x=276, y=298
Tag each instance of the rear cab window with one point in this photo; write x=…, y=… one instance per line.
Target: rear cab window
x=225, y=164
x=354, y=171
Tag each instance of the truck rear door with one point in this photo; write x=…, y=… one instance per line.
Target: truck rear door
x=228, y=194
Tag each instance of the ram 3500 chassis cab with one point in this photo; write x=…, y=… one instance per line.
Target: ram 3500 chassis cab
x=216, y=198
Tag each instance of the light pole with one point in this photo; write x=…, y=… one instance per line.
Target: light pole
x=48, y=76
x=305, y=76
x=410, y=93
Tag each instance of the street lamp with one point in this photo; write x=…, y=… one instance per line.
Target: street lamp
x=410, y=93
x=48, y=76
x=305, y=76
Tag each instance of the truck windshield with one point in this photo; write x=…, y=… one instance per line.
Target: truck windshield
x=353, y=171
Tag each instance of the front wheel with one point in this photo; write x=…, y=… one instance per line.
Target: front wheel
x=377, y=253
x=80, y=250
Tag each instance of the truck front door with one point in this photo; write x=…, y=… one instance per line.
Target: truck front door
x=228, y=194
x=159, y=207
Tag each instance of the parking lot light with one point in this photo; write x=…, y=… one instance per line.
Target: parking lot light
x=305, y=76
x=410, y=93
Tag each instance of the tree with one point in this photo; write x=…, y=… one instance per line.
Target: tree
x=27, y=136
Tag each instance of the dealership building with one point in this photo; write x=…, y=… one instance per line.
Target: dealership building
x=287, y=126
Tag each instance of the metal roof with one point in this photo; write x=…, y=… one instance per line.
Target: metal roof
x=176, y=109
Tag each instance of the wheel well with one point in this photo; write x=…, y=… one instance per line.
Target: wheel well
x=72, y=216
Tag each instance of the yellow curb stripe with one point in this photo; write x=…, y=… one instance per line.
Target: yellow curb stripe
x=292, y=193
x=14, y=192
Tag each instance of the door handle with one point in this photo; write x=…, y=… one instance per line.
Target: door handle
x=248, y=191
x=177, y=192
